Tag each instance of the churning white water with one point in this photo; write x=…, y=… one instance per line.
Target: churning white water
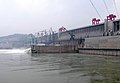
x=14, y=50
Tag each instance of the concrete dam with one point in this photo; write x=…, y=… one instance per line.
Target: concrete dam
x=90, y=39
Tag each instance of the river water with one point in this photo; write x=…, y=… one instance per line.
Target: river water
x=18, y=67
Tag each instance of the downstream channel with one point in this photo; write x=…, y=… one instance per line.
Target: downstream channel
x=16, y=66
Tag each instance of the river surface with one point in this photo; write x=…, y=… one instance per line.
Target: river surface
x=19, y=67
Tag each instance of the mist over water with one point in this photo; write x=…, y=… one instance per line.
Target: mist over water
x=16, y=66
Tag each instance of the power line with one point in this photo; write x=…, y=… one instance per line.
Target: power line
x=95, y=9
x=116, y=8
x=106, y=6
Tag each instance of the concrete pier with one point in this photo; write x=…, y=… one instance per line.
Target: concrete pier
x=53, y=49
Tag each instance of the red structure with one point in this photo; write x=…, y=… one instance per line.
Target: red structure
x=111, y=17
x=95, y=21
x=62, y=29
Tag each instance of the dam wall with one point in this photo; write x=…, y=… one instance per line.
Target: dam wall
x=108, y=45
x=96, y=51
x=106, y=42
x=53, y=49
x=101, y=39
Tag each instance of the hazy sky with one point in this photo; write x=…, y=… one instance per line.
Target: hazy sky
x=30, y=16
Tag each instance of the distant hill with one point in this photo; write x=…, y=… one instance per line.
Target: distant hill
x=15, y=41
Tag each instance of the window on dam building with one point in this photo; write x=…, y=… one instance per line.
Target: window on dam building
x=116, y=26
